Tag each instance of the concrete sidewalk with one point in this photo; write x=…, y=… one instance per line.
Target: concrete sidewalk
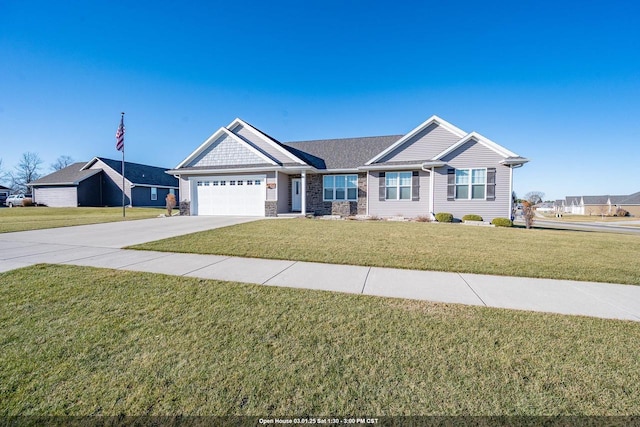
x=544, y=295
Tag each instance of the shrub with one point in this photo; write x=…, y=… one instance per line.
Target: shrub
x=444, y=217
x=170, y=203
x=502, y=222
x=27, y=202
x=621, y=212
x=472, y=217
x=423, y=218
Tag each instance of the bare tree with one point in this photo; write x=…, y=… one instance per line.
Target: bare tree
x=61, y=163
x=534, y=197
x=28, y=170
x=528, y=213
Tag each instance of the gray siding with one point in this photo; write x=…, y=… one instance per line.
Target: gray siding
x=249, y=136
x=272, y=193
x=225, y=151
x=425, y=145
x=406, y=208
x=185, y=191
x=474, y=155
x=56, y=197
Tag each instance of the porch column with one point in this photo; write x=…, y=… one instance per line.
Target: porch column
x=431, y=192
x=303, y=201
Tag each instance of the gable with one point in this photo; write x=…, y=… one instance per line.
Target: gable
x=226, y=151
x=424, y=145
x=262, y=142
x=472, y=153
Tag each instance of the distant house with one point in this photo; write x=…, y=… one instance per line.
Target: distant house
x=601, y=205
x=436, y=167
x=4, y=193
x=99, y=183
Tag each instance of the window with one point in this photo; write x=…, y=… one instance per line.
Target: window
x=257, y=182
x=199, y=183
x=249, y=182
x=206, y=183
x=154, y=193
x=398, y=185
x=172, y=191
x=215, y=183
x=223, y=182
x=340, y=187
x=240, y=182
x=232, y=182
x=470, y=183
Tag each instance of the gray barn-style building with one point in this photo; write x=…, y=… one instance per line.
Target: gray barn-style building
x=99, y=183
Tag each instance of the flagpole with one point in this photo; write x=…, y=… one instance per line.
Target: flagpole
x=123, y=191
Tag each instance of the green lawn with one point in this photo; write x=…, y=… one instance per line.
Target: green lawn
x=35, y=218
x=86, y=341
x=553, y=254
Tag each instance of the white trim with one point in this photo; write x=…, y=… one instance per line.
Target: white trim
x=510, y=194
x=433, y=119
x=470, y=184
x=346, y=188
x=192, y=172
x=265, y=138
x=415, y=166
x=216, y=135
x=431, y=193
x=303, y=201
x=398, y=187
x=482, y=140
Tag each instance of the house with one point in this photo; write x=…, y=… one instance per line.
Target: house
x=4, y=193
x=99, y=183
x=602, y=205
x=436, y=167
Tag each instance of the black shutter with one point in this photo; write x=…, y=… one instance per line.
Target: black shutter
x=451, y=184
x=415, y=186
x=382, y=187
x=491, y=183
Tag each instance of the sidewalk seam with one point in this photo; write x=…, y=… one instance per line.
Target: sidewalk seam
x=279, y=272
x=364, y=285
x=472, y=290
x=205, y=266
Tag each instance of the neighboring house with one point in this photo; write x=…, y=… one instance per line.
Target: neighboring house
x=631, y=204
x=602, y=205
x=545, y=207
x=437, y=167
x=99, y=183
x=4, y=193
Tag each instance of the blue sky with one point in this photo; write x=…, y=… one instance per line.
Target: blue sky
x=556, y=82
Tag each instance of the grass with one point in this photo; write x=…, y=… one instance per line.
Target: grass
x=86, y=341
x=35, y=218
x=540, y=253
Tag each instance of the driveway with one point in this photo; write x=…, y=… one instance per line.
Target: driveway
x=121, y=234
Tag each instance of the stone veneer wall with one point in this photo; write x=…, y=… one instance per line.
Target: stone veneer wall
x=271, y=208
x=317, y=206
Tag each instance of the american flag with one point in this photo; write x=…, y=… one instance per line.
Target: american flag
x=120, y=135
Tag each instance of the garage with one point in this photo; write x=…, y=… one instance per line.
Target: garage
x=229, y=195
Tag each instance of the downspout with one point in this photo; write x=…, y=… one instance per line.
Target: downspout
x=432, y=186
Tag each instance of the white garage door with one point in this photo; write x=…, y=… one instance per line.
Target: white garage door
x=230, y=195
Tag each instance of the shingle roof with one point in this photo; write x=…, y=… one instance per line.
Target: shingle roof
x=142, y=174
x=71, y=175
x=344, y=153
x=633, y=199
x=595, y=200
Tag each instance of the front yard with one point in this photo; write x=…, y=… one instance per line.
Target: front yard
x=35, y=218
x=554, y=254
x=86, y=341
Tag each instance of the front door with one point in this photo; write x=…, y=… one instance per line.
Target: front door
x=296, y=195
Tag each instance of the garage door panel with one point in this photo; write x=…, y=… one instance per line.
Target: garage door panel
x=230, y=199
